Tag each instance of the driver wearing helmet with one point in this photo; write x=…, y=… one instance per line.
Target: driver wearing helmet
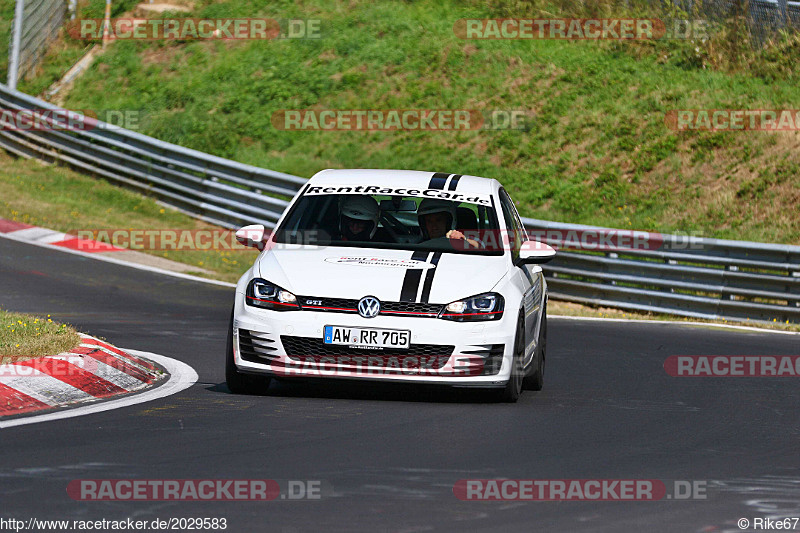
x=358, y=218
x=437, y=219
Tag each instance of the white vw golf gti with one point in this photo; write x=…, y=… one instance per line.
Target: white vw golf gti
x=393, y=275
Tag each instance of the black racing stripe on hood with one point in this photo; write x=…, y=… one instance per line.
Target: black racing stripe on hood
x=413, y=276
x=438, y=180
x=454, y=182
x=426, y=288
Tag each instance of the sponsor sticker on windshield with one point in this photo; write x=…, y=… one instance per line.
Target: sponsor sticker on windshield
x=381, y=262
x=472, y=198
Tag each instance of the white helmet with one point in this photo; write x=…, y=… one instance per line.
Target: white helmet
x=428, y=206
x=360, y=208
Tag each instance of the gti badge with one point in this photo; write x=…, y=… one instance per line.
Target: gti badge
x=369, y=307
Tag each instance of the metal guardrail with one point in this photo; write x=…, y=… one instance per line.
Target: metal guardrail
x=211, y=188
x=681, y=275
x=698, y=277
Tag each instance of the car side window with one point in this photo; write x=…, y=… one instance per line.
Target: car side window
x=523, y=233
x=512, y=225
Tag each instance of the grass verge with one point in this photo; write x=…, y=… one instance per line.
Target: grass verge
x=26, y=337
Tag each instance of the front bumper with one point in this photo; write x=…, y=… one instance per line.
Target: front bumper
x=460, y=354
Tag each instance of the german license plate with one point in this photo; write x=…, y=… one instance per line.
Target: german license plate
x=367, y=337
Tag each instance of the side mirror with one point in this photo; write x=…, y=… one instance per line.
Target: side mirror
x=252, y=236
x=535, y=253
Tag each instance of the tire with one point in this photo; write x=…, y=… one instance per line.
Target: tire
x=238, y=382
x=513, y=389
x=535, y=381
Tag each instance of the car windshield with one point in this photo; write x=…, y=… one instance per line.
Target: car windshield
x=400, y=222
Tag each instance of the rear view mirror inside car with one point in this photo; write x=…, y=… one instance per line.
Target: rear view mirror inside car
x=398, y=205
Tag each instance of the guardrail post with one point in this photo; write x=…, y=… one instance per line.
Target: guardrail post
x=671, y=262
x=784, y=9
x=16, y=37
x=612, y=255
x=107, y=23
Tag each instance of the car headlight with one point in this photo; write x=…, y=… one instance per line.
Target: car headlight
x=261, y=293
x=487, y=306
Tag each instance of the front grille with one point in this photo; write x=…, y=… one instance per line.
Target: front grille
x=349, y=305
x=340, y=305
x=256, y=347
x=420, y=355
x=410, y=307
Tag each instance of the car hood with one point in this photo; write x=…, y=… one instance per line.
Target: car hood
x=344, y=272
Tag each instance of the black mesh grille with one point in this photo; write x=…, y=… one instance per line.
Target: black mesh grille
x=348, y=305
x=256, y=348
x=410, y=307
x=305, y=348
x=342, y=305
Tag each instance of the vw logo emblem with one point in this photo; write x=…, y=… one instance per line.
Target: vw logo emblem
x=369, y=307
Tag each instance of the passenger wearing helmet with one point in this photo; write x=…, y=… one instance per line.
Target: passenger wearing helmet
x=358, y=220
x=437, y=220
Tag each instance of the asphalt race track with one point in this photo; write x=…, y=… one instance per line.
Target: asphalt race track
x=388, y=457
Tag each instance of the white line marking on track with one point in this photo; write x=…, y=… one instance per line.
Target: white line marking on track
x=56, y=237
x=42, y=235
x=182, y=376
x=675, y=323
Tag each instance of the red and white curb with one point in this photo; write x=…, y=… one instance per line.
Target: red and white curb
x=91, y=371
x=180, y=377
x=35, y=234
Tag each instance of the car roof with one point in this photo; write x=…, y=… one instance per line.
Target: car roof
x=414, y=179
